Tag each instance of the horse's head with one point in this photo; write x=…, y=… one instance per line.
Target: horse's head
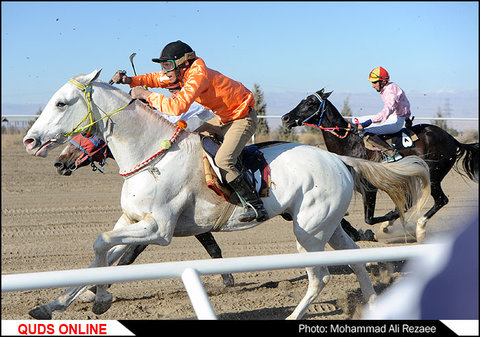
x=63, y=113
x=309, y=109
x=81, y=151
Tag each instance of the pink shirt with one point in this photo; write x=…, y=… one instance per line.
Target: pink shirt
x=395, y=101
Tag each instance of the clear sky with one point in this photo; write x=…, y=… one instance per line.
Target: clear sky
x=282, y=46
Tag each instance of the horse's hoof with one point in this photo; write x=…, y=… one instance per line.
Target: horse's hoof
x=40, y=313
x=369, y=235
x=101, y=307
x=385, y=229
x=87, y=297
x=228, y=280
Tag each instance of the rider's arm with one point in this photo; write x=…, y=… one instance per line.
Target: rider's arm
x=151, y=80
x=195, y=82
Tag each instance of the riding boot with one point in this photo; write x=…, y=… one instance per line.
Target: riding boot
x=390, y=153
x=254, y=208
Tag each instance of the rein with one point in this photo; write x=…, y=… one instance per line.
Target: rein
x=332, y=130
x=88, y=98
x=166, y=144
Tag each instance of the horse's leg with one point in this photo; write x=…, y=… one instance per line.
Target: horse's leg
x=350, y=230
x=369, y=201
x=128, y=257
x=340, y=240
x=131, y=253
x=62, y=302
x=317, y=276
x=360, y=235
x=208, y=242
x=440, y=200
x=146, y=231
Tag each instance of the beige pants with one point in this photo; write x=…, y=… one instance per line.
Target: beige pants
x=235, y=136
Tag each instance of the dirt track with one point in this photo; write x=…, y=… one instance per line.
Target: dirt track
x=49, y=222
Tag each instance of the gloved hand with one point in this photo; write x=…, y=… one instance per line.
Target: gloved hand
x=140, y=93
x=121, y=77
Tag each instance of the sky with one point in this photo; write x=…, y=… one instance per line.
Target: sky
x=282, y=46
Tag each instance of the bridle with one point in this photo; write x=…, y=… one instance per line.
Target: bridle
x=87, y=89
x=321, y=109
x=88, y=143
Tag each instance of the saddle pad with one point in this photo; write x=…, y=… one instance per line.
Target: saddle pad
x=212, y=180
x=251, y=159
x=402, y=139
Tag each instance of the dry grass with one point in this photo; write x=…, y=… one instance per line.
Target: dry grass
x=11, y=140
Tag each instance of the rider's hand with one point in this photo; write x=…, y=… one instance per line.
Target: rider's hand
x=121, y=77
x=140, y=93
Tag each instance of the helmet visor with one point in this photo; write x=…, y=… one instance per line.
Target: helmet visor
x=168, y=65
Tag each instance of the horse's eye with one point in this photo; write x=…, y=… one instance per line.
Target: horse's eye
x=61, y=105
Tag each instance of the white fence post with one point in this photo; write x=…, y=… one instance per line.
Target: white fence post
x=198, y=296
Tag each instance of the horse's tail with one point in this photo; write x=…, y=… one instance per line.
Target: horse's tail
x=407, y=182
x=470, y=160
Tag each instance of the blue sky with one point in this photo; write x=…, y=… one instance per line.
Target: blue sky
x=283, y=46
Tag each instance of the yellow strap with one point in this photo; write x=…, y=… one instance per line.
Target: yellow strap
x=88, y=99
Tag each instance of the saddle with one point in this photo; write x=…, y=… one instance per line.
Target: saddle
x=251, y=163
x=403, y=139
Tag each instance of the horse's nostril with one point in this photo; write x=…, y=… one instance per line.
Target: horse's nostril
x=285, y=118
x=58, y=164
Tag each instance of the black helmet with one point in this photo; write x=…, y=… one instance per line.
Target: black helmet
x=177, y=51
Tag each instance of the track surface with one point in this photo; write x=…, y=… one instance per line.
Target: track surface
x=49, y=222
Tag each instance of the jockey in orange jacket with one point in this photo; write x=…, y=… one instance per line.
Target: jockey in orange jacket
x=229, y=100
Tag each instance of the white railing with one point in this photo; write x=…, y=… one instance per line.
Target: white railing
x=190, y=271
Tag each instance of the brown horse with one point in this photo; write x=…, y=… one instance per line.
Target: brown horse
x=440, y=150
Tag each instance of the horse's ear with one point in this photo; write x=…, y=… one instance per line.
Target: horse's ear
x=326, y=95
x=93, y=76
x=87, y=79
x=322, y=93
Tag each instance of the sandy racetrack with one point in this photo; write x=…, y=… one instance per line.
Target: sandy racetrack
x=49, y=222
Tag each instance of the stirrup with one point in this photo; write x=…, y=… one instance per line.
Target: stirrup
x=396, y=157
x=251, y=213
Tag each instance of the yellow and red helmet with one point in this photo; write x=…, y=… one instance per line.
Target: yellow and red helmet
x=378, y=74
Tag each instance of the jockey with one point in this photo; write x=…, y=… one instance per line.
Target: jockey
x=229, y=100
x=392, y=117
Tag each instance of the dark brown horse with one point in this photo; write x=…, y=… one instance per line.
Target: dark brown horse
x=440, y=150
x=89, y=149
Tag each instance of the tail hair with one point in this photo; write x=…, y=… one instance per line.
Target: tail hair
x=407, y=182
x=470, y=161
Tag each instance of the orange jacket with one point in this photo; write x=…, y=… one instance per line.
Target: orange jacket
x=226, y=98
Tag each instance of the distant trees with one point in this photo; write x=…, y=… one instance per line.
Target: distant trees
x=261, y=108
x=346, y=110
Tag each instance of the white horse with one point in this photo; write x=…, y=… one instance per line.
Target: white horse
x=166, y=195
